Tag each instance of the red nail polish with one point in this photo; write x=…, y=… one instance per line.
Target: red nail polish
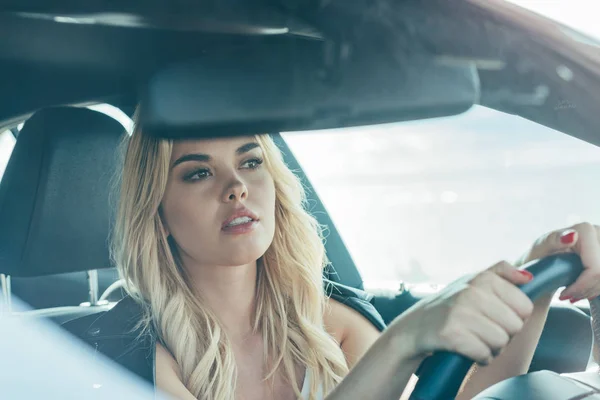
x=527, y=274
x=567, y=238
x=574, y=300
x=563, y=297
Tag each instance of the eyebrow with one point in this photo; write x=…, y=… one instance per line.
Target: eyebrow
x=205, y=157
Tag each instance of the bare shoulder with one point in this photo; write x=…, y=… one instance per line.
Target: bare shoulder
x=350, y=329
x=168, y=375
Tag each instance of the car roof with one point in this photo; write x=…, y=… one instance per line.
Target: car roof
x=65, y=52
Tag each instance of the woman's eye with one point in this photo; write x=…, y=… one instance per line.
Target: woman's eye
x=252, y=163
x=197, y=175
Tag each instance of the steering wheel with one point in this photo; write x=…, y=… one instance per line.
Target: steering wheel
x=442, y=374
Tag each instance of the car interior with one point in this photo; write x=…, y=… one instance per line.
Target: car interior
x=56, y=199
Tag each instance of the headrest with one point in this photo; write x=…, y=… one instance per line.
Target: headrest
x=54, y=195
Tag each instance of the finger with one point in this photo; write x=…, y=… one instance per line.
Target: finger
x=489, y=332
x=498, y=311
x=591, y=291
x=508, y=272
x=595, y=292
x=588, y=293
x=588, y=247
x=472, y=347
x=559, y=241
x=514, y=298
x=504, y=289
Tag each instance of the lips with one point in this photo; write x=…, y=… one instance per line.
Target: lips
x=242, y=217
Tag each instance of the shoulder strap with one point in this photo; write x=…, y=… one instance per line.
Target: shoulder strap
x=121, y=320
x=357, y=299
x=115, y=334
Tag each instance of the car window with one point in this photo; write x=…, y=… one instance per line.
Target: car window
x=428, y=201
x=115, y=113
x=7, y=143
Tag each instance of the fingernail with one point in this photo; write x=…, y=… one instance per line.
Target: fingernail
x=574, y=300
x=567, y=237
x=564, y=297
x=526, y=274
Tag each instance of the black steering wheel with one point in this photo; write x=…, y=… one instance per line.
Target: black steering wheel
x=442, y=374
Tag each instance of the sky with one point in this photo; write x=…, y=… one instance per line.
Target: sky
x=577, y=14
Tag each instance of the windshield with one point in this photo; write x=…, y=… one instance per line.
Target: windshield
x=413, y=200
x=573, y=13
x=447, y=180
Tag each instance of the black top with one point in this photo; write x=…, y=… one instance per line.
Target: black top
x=114, y=334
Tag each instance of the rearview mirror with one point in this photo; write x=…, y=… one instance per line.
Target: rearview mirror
x=235, y=96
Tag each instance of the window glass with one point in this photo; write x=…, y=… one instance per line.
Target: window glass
x=431, y=200
x=7, y=143
x=115, y=113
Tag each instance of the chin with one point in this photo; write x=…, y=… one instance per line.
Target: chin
x=247, y=250
x=232, y=262
x=243, y=255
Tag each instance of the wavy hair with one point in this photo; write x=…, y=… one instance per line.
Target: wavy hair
x=290, y=296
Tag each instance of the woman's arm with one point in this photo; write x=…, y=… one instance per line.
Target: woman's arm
x=385, y=367
x=358, y=335
x=514, y=359
x=474, y=318
x=583, y=239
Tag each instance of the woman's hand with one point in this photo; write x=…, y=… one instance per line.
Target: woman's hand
x=583, y=239
x=475, y=318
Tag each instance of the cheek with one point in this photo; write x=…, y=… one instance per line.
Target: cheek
x=182, y=215
x=268, y=198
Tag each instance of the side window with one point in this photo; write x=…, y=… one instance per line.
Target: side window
x=7, y=144
x=429, y=201
x=114, y=113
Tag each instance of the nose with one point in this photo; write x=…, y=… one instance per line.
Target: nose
x=236, y=190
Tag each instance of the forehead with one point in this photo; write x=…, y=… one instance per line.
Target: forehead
x=211, y=147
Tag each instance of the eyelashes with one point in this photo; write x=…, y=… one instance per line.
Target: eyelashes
x=203, y=173
x=197, y=175
x=253, y=163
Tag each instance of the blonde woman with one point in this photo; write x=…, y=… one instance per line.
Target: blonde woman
x=224, y=266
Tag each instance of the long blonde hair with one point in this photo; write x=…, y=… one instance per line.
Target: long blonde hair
x=290, y=295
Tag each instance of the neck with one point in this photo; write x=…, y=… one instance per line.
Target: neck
x=230, y=292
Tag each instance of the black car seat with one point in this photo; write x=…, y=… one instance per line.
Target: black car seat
x=54, y=201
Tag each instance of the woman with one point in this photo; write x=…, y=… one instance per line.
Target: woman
x=216, y=248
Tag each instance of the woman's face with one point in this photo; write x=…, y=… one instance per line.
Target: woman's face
x=219, y=203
